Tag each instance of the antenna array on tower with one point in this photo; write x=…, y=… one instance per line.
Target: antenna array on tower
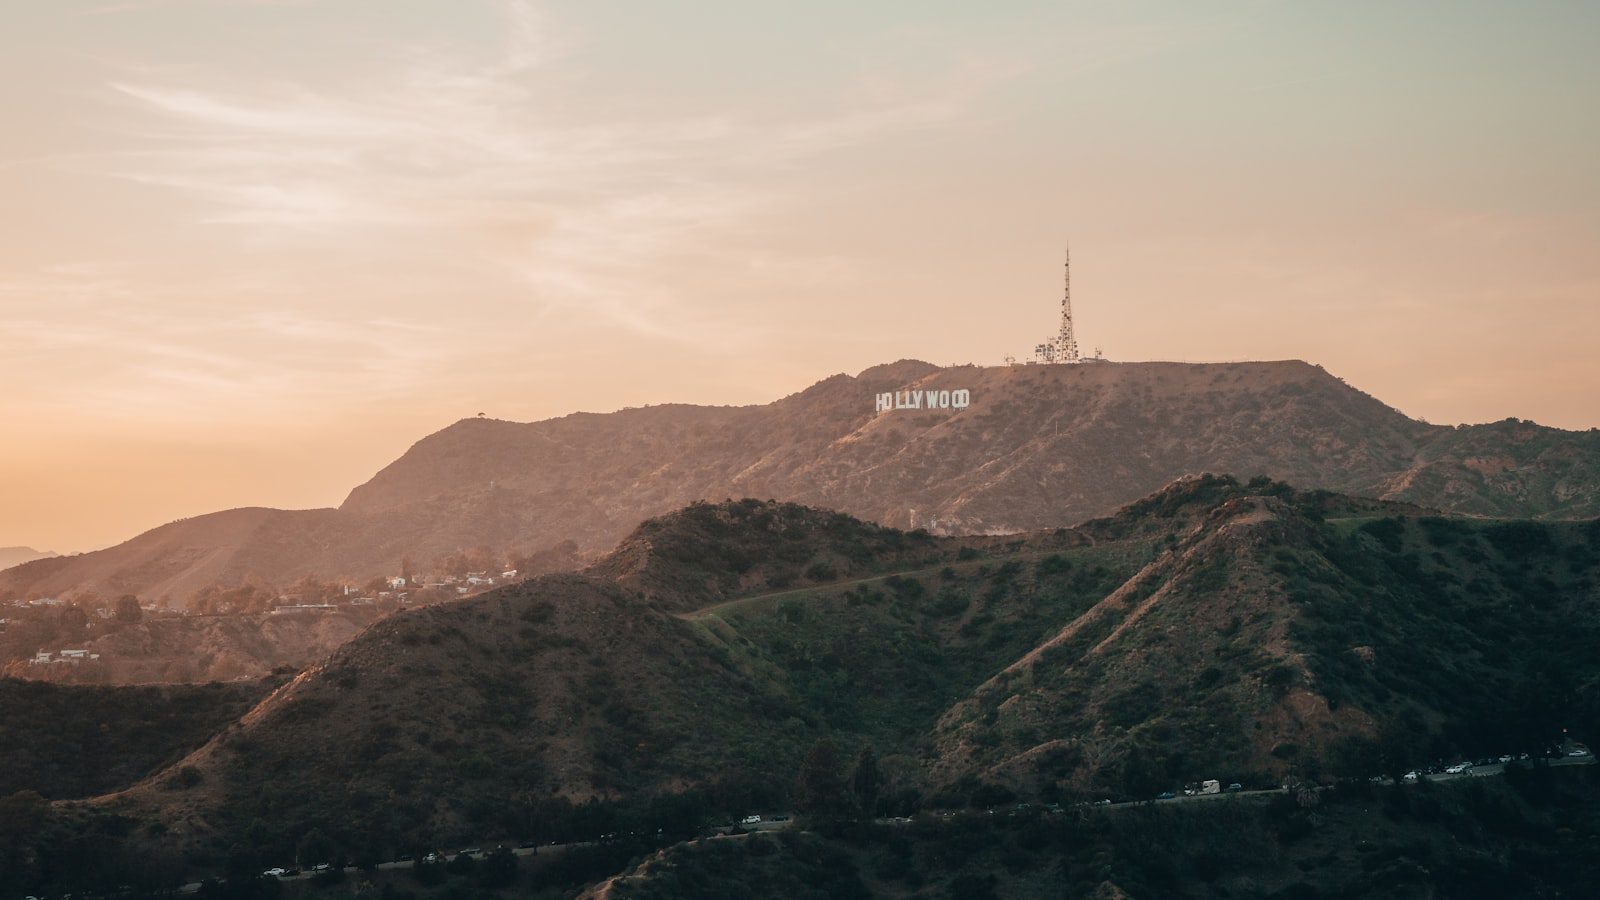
x=1063, y=348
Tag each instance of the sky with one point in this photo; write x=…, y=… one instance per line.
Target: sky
x=254, y=249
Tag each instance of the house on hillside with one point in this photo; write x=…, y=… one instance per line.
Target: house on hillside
x=64, y=657
x=303, y=608
x=398, y=581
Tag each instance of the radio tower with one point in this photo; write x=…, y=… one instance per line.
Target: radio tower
x=1066, y=343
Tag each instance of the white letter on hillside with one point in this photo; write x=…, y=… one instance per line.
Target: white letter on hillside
x=960, y=399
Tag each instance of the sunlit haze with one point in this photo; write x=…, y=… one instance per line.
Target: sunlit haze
x=255, y=248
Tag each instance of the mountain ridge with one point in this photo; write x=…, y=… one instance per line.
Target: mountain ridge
x=1039, y=447
x=15, y=556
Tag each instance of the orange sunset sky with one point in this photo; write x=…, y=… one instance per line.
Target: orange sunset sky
x=253, y=249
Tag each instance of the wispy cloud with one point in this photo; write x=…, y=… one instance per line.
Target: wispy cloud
x=431, y=189
x=484, y=161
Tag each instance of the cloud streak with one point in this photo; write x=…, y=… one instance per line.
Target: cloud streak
x=464, y=150
x=433, y=188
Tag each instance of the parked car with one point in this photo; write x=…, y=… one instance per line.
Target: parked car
x=1411, y=777
x=276, y=872
x=1106, y=801
x=1505, y=759
x=750, y=820
x=1165, y=795
x=1235, y=787
x=322, y=867
x=1458, y=768
x=470, y=853
x=1577, y=754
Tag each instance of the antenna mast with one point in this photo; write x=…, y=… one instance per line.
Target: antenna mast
x=1063, y=348
x=1066, y=342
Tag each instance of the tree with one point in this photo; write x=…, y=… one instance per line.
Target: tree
x=1139, y=777
x=128, y=611
x=72, y=621
x=820, y=790
x=315, y=848
x=21, y=815
x=865, y=783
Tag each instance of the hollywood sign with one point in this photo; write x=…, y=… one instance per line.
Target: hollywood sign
x=924, y=400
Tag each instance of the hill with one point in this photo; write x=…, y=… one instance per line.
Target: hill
x=1038, y=447
x=172, y=562
x=13, y=556
x=1218, y=629
x=1270, y=639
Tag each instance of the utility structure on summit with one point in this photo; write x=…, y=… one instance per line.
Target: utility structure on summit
x=1063, y=348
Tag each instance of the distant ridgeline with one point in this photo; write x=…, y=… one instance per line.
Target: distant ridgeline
x=1049, y=446
x=890, y=400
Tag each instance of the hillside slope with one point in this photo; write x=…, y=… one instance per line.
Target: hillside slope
x=65, y=742
x=1273, y=638
x=170, y=649
x=1216, y=629
x=1039, y=447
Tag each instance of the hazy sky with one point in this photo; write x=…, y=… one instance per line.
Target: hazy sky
x=253, y=249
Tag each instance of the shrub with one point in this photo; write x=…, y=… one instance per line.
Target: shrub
x=821, y=571
x=1389, y=533
x=904, y=588
x=1054, y=564
x=949, y=603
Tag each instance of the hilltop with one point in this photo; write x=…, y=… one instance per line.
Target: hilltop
x=1039, y=447
x=1217, y=629
x=16, y=556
